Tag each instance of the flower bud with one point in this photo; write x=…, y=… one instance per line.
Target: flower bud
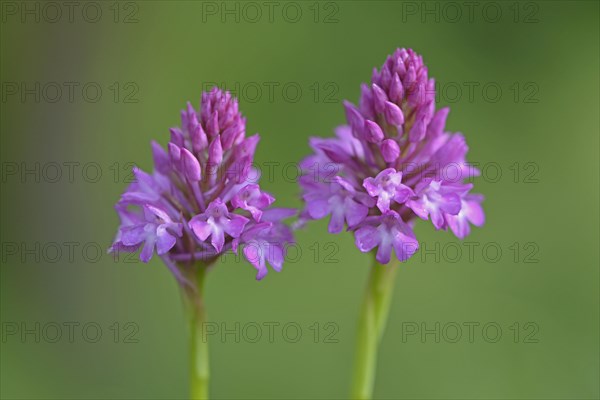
x=354, y=118
x=373, y=132
x=393, y=114
x=215, y=151
x=379, y=99
x=396, y=90
x=390, y=150
x=191, y=165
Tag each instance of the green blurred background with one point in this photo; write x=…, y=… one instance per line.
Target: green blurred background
x=544, y=57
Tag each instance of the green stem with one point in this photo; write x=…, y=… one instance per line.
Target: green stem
x=371, y=325
x=199, y=370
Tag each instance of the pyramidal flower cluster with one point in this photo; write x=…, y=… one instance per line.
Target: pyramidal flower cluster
x=203, y=197
x=392, y=163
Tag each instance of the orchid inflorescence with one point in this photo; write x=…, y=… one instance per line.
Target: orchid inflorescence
x=203, y=198
x=390, y=165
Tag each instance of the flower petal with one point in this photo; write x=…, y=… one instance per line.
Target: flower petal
x=133, y=235
x=148, y=250
x=366, y=238
x=336, y=222
x=200, y=227
x=235, y=225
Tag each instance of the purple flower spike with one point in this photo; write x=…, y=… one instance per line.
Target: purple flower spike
x=393, y=162
x=200, y=201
